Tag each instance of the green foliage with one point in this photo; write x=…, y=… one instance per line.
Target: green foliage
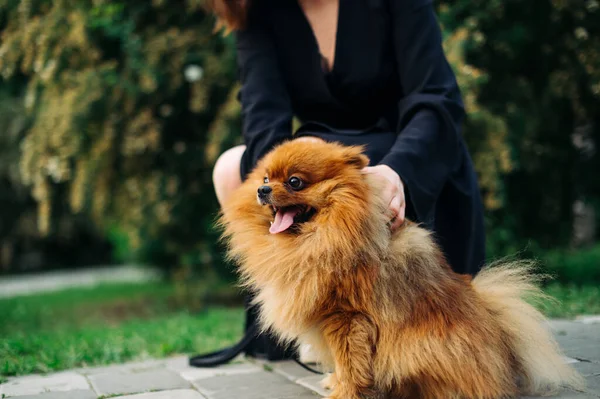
x=123, y=98
x=564, y=265
x=579, y=267
x=542, y=58
x=123, y=107
x=12, y=193
x=120, y=242
x=485, y=132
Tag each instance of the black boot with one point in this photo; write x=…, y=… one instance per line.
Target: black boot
x=264, y=346
x=253, y=344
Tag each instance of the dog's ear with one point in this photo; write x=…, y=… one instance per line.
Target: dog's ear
x=354, y=156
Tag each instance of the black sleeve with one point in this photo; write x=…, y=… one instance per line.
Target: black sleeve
x=428, y=148
x=266, y=109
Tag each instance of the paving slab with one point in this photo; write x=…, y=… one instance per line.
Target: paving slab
x=593, y=384
x=290, y=369
x=585, y=319
x=566, y=395
x=76, y=394
x=171, y=394
x=259, y=385
x=574, y=328
x=587, y=368
x=129, y=367
x=584, y=351
x=36, y=384
x=314, y=383
x=120, y=383
x=578, y=339
x=181, y=366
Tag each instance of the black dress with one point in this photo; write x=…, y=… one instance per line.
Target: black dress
x=390, y=88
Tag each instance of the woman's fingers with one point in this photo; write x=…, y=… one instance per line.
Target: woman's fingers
x=400, y=205
x=389, y=193
x=392, y=193
x=310, y=139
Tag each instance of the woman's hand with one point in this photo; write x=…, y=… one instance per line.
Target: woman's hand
x=310, y=138
x=393, y=192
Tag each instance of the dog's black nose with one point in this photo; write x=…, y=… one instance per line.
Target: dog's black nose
x=264, y=190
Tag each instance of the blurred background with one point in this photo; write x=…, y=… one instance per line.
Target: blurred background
x=112, y=114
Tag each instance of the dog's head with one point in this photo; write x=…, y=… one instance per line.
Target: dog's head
x=306, y=203
x=302, y=182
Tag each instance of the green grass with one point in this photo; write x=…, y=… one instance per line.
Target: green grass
x=109, y=324
x=118, y=323
x=63, y=348
x=580, y=266
x=571, y=301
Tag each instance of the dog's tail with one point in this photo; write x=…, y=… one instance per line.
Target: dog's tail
x=504, y=288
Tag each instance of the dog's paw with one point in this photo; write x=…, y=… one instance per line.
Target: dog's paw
x=329, y=382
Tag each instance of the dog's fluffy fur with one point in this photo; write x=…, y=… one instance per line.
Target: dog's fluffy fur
x=384, y=311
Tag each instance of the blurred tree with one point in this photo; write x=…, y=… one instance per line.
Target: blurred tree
x=75, y=243
x=543, y=60
x=486, y=133
x=13, y=195
x=129, y=103
x=122, y=96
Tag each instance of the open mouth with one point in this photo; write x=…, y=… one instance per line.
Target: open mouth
x=290, y=217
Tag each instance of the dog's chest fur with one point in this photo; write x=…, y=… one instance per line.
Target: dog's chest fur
x=280, y=310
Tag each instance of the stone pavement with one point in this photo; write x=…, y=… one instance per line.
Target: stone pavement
x=174, y=379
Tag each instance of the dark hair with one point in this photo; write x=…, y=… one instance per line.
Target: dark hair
x=231, y=14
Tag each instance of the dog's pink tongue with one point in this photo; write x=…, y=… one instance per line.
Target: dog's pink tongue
x=283, y=220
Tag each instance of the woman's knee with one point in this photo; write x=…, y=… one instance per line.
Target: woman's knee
x=226, y=173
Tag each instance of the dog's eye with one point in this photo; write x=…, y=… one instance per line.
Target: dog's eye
x=266, y=180
x=296, y=183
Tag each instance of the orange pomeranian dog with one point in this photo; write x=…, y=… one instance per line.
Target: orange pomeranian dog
x=384, y=311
